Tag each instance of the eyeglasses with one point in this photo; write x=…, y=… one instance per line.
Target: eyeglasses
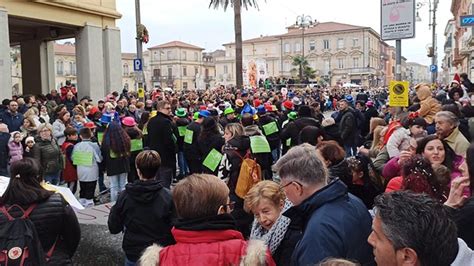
x=229, y=207
x=289, y=183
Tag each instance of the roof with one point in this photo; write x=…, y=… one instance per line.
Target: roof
x=65, y=49
x=173, y=44
x=321, y=27
x=129, y=55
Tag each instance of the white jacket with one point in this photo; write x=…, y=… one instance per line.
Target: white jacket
x=465, y=255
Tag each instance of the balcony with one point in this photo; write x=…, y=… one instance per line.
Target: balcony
x=448, y=45
x=355, y=71
x=162, y=78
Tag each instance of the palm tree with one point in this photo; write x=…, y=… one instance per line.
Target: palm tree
x=304, y=70
x=237, y=6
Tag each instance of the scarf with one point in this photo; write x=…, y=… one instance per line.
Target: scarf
x=275, y=235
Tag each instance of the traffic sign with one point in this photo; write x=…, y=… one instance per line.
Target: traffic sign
x=433, y=68
x=398, y=93
x=397, y=19
x=137, y=65
x=466, y=21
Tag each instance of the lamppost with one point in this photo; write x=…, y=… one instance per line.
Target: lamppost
x=433, y=5
x=303, y=22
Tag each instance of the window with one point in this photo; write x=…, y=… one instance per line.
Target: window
x=170, y=72
x=206, y=73
x=312, y=45
x=185, y=71
x=286, y=66
x=196, y=71
x=185, y=85
x=355, y=62
x=196, y=56
x=287, y=47
x=355, y=42
x=169, y=55
x=183, y=57
x=126, y=70
x=326, y=44
x=157, y=72
x=297, y=47
x=340, y=63
x=59, y=67
x=72, y=68
x=340, y=43
x=226, y=70
x=326, y=65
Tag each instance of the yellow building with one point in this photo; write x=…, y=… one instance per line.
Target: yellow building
x=181, y=65
x=35, y=25
x=338, y=52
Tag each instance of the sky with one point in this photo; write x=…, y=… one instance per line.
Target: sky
x=193, y=22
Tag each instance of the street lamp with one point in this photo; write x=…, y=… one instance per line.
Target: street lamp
x=433, y=5
x=303, y=22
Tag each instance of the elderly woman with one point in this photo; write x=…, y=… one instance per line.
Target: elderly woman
x=206, y=233
x=267, y=202
x=447, y=124
x=48, y=153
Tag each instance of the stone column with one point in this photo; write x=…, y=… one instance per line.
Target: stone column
x=37, y=66
x=90, y=62
x=48, y=76
x=5, y=61
x=112, y=60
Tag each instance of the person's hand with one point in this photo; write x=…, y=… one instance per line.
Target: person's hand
x=456, y=197
x=362, y=150
x=404, y=156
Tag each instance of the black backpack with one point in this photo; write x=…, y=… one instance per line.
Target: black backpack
x=19, y=241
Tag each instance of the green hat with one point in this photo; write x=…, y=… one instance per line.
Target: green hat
x=180, y=112
x=292, y=115
x=228, y=111
x=196, y=116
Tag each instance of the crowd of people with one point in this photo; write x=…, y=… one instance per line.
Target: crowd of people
x=256, y=176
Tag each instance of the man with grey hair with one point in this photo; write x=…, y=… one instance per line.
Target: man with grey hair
x=334, y=222
x=447, y=129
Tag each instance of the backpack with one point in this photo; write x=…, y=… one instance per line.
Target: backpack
x=249, y=175
x=19, y=241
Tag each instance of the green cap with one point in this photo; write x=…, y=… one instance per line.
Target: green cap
x=292, y=115
x=180, y=112
x=196, y=116
x=228, y=111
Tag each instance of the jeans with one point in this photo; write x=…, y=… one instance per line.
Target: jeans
x=129, y=262
x=53, y=179
x=276, y=154
x=166, y=175
x=102, y=186
x=183, y=165
x=350, y=150
x=117, y=184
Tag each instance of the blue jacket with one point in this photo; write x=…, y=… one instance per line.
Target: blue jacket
x=14, y=122
x=335, y=224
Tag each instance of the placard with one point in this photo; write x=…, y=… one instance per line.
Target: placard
x=188, y=136
x=270, y=128
x=259, y=144
x=136, y=145
x=84, y=158
x=213, y=159
x=398, y=93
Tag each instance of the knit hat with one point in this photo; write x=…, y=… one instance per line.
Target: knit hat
x=180, y=112
x=12, y=135
x=30, y=138
x=369, y=104
x=456, y=79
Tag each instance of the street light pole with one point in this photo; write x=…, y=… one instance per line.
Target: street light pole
x=303, y=22
x=139, y=75
x=434, y=59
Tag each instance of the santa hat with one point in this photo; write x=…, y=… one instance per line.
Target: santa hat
x=456, y=79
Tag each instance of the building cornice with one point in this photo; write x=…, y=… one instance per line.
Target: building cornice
x=82, y=7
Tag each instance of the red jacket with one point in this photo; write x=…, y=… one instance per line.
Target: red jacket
x=69, y=172
x=211, y=247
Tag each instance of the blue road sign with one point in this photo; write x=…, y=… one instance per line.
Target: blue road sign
x=137, y=65
x=433, y=68
x=466, y=21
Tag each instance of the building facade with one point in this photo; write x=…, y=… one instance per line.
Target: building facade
x=33, y=26
x=463, y=38
x=417, y=73
x=448, y=67
x=180, y=65
x=339, y=53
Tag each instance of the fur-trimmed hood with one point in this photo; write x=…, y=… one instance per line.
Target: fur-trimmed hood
x=256, y=254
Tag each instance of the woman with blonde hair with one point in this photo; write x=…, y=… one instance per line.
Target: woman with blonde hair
x=374, y=123
x=28, y=129
x=33, y=113
x=205, y=232
x=267, y=202
x=377, y=143
x=48, y=153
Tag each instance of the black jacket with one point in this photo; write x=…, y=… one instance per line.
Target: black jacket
x=181, y=122
x=192, y=150
x=348, y=126
x=206, y=145
x=282, y=255
x=54, y=219
x=463, y=218
x=145, y=212
x=293, y=129
x=4, y=138
x=114, y=166
x=160, y=138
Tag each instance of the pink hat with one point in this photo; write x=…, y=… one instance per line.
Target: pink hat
x=129, y=121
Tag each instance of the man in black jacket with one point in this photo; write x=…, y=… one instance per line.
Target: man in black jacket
x=144, y=211
x=270, y=128
x=294, y=128
x=182, y=123
x=348, y=127
x=191, y=148
x=162, y=138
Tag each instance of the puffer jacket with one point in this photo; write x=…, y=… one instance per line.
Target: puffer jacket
x=219, y=247
x=58, y=131
x=15, y=151
x=145, y=212
x=48, y=153
x=54, y=220
x=348, y=127
x=429, y=106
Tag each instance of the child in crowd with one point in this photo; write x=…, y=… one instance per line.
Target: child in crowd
x=29, y=143
x=15, y=148
x=86, y=157
x=69, y=170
